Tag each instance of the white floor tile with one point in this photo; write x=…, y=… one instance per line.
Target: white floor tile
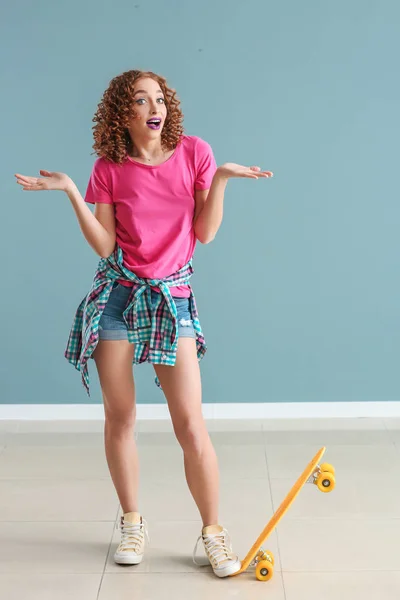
x=157, y=438
x=175, y=502
x=161, y=463
x=235, y=425
x=394, y=436
x=88, y=439
x=35, y=586
x=28, y=462
x=356, y=498
x=338, y=424
x=53, y=547
x=289, y=461
x=237, y=438
x=181, y=586
x=9, y=426
x=61, y=426
x=58, y=500
x=339, y=545
x=328, y=438
x=242, y=462
x=392, y=424
x=362, y=585
x=154, y=426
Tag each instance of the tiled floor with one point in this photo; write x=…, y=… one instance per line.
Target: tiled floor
x=58, y=510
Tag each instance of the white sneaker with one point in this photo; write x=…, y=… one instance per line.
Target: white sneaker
x=218, y=548
x=133, y=533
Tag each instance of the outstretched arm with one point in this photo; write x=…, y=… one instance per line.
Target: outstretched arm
x=210, y=203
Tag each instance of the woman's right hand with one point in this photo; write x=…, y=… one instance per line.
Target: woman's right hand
x=48, y=181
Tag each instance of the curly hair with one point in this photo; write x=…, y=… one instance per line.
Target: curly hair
x=115, y=110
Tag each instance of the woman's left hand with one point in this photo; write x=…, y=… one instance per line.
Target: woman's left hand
x=229, y=170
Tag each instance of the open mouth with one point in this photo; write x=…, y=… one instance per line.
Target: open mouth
x=154, y=123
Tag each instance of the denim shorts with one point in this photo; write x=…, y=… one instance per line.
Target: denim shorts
x=113, y=327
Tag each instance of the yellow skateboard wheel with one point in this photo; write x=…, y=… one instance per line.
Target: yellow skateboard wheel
x=327, y=468
x=326, y=482
x=264, y=570
x=266, y=555
x=270, y=557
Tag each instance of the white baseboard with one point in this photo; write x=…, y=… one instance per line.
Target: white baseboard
x=265, y=410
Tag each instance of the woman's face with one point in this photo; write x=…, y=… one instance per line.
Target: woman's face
x=150, y=110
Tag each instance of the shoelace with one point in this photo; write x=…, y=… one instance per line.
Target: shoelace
x=132, y=535
x=218, y=548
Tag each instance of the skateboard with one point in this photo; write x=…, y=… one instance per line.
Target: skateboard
x=323, y=476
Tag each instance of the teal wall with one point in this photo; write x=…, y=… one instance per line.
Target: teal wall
x=299, y=294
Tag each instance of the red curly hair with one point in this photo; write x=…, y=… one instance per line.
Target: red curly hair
x=115, y=110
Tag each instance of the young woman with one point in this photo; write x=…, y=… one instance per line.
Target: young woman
x=156, y=192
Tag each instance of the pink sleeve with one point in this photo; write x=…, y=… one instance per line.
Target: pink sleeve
x=205, y=165
x=99, y=186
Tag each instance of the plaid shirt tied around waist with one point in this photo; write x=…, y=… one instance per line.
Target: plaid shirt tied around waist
x=152, y=329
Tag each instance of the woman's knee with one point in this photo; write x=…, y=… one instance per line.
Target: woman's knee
x=118, y=416
x=192, y=435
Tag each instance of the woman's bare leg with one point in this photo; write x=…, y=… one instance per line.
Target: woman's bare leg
x=114, y=365
x=182, y=388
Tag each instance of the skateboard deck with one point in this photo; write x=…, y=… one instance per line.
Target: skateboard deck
x=323, y=478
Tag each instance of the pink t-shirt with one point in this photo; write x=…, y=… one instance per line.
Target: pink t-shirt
x=154, y=207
